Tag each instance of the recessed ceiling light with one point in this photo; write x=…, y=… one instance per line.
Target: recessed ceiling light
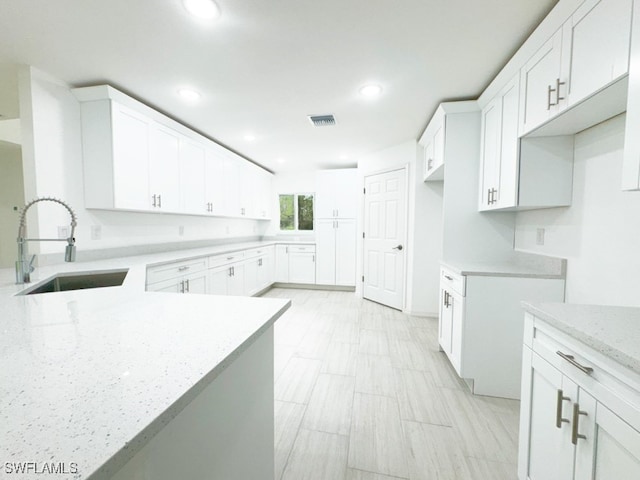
x=206, y=9
x=370, y=90
x=249, y=137
x=189, y=94
x=281, y=160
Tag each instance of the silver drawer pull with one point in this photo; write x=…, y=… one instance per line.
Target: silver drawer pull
x=571, y=359
x=229, y=258
x=574, y=427
x=448, y=278
x=183, y=268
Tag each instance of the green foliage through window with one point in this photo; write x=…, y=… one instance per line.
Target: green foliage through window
x=296, y=212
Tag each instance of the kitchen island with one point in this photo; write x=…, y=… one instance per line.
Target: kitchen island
x=118, y=383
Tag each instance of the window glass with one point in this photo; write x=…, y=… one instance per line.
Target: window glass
x=287, y=221
x=305, y=212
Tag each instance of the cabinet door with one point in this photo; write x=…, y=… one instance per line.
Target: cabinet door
x=251, y=277
x=264, y=272
x=231, y=182
x=490, y=151
x=438, y=143
x=613, y=453
x=456, y=305
x=428, y=158
x=173, y=285
x=345, y=252
x=218, y=280
x=282, y=264
x=131, y=139
x=444, y=324
x=345, y=185
x=192, y=177
x=248, y=189
x=262, y=200
x=550, y=398
x=164, y=169
x=302, y=267
x=507, y=189
x=196, y=283
x=326, y=251
x=631, y=158
x=596, y=42
x=539, y=80
x=235, y=283
x=324, y=203
x=215, y=183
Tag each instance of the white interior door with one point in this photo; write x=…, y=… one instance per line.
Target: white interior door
x=385, y=223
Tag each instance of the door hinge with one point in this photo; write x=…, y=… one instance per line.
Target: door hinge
x=362, y=234
x=363, y=278
x=364, y=190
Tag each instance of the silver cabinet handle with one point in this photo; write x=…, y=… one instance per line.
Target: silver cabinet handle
x=574, y=427
x=183, y=268
x=230, y=271
x=398, y=247
x=559, y=420
x=313, y=259
x=449, y=278
x=558, y=97
x=571, y=359
x=549, y=92
x=187, y=284
x=182, y=286
x=159, y=201
x=229, y=258
x=337, y=213
x=154, y=201
x=286, y=249
x=430, y=164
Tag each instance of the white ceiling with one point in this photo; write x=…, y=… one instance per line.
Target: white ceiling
x=264, y=65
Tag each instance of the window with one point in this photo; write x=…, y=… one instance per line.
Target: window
x=296, y=212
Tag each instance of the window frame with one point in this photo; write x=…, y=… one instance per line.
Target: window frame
x=296, y=220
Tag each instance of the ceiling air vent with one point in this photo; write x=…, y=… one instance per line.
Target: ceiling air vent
x=322, y=120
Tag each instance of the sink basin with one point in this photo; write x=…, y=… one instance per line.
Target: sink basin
x=78, y=281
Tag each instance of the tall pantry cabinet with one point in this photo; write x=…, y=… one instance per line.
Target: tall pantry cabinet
x=336, y=208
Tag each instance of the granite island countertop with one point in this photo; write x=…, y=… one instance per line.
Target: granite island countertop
x=612, y=331
x=89, y=376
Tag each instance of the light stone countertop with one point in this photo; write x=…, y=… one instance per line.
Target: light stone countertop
x=612, y=331
x=519, y=265
x=89, y=376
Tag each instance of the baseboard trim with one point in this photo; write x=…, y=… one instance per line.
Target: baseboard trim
x=421, y=314
x=313, y=286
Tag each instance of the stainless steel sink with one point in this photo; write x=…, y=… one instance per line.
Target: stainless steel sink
x=78, y=281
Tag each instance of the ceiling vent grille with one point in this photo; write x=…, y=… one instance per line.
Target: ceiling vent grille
x=322, y=120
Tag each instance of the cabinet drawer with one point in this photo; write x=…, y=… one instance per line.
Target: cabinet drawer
x=256, y=252
x=225, y=258
x=453, y=281
x=161, y=273
x=302, y=248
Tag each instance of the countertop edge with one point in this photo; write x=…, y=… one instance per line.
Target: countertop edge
x=126, y=453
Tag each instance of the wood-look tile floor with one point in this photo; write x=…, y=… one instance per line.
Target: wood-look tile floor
x=362, y=392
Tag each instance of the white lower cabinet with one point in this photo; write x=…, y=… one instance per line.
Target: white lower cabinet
x=302, y=264
x=193, y=283
x=227, y=280
x=336, y=252
x=188, y=276
x=580, y=414
x=479, y=327
x=295, y=263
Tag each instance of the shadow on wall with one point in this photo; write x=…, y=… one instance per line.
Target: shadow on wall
x=11, y=197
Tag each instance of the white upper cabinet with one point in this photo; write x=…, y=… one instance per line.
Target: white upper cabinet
x=596, y=46
x=135, y=158
x=543, y=87
x=578, y=78
x=123, y=182
x=499, y=140
x=192, y=178
x=433, y=142
x=164, y=169
x=631, y=158
x=336, y=194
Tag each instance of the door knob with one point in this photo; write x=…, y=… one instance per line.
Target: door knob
x=399, y=247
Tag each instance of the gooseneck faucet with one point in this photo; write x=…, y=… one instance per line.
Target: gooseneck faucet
x=24, y=267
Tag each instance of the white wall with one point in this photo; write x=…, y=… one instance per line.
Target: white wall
x=599, y=233
x=11, y=195
x=52, y=154
x=291, y=182
x=424, y=235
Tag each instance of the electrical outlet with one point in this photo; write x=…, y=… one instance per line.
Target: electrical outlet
x=181, y=230
x=96, y=232
x=540, y=236
x=63, y=232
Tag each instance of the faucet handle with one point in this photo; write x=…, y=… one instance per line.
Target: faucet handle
x=31, y=268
